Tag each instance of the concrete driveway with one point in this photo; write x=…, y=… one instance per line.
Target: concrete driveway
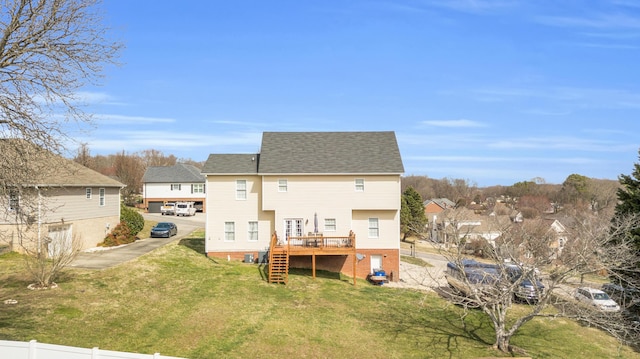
x=101, y=258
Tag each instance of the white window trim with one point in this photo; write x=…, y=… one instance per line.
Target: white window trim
x=250, y=232
x=197, y=188
x=330, y=228
x=376, y=228
x=88, y=193
x=359, y=184
x=241, y=191
x=283, y=185
x=176, y=186
x=103, y=197
x=228, y=234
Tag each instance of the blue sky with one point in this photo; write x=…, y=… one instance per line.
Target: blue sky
x=495, y=92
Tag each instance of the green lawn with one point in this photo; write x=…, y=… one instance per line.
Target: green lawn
x=177, y=302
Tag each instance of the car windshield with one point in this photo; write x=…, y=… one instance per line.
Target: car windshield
x=163, y=225
x=600, y=296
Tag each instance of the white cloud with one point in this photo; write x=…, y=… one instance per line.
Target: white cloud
x=120, y=119
x=94, y=97
x=171, y=141
x=598, y=21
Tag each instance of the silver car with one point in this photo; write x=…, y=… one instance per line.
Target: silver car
x=596, y=298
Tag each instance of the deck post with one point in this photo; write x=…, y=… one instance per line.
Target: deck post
x=313, y=264
x=355, y=260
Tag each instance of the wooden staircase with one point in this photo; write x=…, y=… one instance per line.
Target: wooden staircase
x=278, y=263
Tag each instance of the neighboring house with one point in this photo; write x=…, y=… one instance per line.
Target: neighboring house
x=180, y=182
x=436, y=205
x=534, y=239
x=331, y=198
x=464, y=223
x=62, y=202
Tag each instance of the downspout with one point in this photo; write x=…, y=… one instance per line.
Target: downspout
x=39, y=220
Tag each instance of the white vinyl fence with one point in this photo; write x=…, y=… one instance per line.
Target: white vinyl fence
x=35, y=350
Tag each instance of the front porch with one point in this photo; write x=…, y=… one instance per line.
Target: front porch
x=315, y=244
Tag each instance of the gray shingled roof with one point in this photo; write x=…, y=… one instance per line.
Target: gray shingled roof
x=315, y=153
x=75, y=174
x=232, y=164
x=41, y=167
x=178, y=173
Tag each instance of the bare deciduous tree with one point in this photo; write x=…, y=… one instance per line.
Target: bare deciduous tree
x=46, y=263
x=528, y=264
x=49, y=50
x=129, y=169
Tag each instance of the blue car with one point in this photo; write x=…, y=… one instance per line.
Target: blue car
x=164, y=229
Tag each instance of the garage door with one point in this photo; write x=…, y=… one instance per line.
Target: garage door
x=154, y=207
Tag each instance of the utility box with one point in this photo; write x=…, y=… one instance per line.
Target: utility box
x=248, y=258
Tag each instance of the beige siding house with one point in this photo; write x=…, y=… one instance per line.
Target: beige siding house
x=63, y=200
x=309, y=185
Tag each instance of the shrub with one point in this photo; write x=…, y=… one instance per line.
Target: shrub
x=132, y=218
x=121, y=234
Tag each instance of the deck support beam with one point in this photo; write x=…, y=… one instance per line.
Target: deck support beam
x=313, y=264
x=355, y=267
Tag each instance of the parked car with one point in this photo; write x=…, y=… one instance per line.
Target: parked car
x=164, y=229
x=530, y=288
x=487, y=278
x=596, y=298
x=185, y=209
x=168, y=209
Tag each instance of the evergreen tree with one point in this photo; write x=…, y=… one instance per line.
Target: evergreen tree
x=628, y=206
x=412, y=217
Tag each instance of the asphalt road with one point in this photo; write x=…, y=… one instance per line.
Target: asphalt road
x=106, y=258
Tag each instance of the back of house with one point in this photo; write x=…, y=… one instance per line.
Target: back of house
x=320, y=184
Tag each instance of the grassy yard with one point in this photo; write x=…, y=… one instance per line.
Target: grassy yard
x=178, y=302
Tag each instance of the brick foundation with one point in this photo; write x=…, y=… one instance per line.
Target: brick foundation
x=335, y=263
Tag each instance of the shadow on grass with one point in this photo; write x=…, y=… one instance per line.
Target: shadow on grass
x=263, y=270
x=195, y=244
x=440, y=329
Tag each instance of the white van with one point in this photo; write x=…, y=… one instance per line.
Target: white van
x=185, y=209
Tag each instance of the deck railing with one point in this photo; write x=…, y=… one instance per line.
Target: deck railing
x=318, y=241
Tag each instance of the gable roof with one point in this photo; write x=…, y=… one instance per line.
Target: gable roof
x=40, y=167
x=443, y=203
x=232, y=164
x=178, y=173
x=80, y=176
x=315, y=153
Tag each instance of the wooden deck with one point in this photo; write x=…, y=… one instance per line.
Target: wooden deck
x=312, y=245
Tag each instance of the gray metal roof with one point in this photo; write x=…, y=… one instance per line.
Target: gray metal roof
x=232, y=164
x=315, y=153
x=178, y=173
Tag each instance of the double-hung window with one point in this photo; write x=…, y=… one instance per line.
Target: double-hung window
x=282, y=185
x=374, y=228
x=229, y=231
x=241, y=189
x=176, y=186
x=329, y=224
x=253, y=231
x=88, y=193
x=359, y=184
x=197, y=188
x=102, y=197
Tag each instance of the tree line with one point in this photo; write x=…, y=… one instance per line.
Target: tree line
x=128, y=168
